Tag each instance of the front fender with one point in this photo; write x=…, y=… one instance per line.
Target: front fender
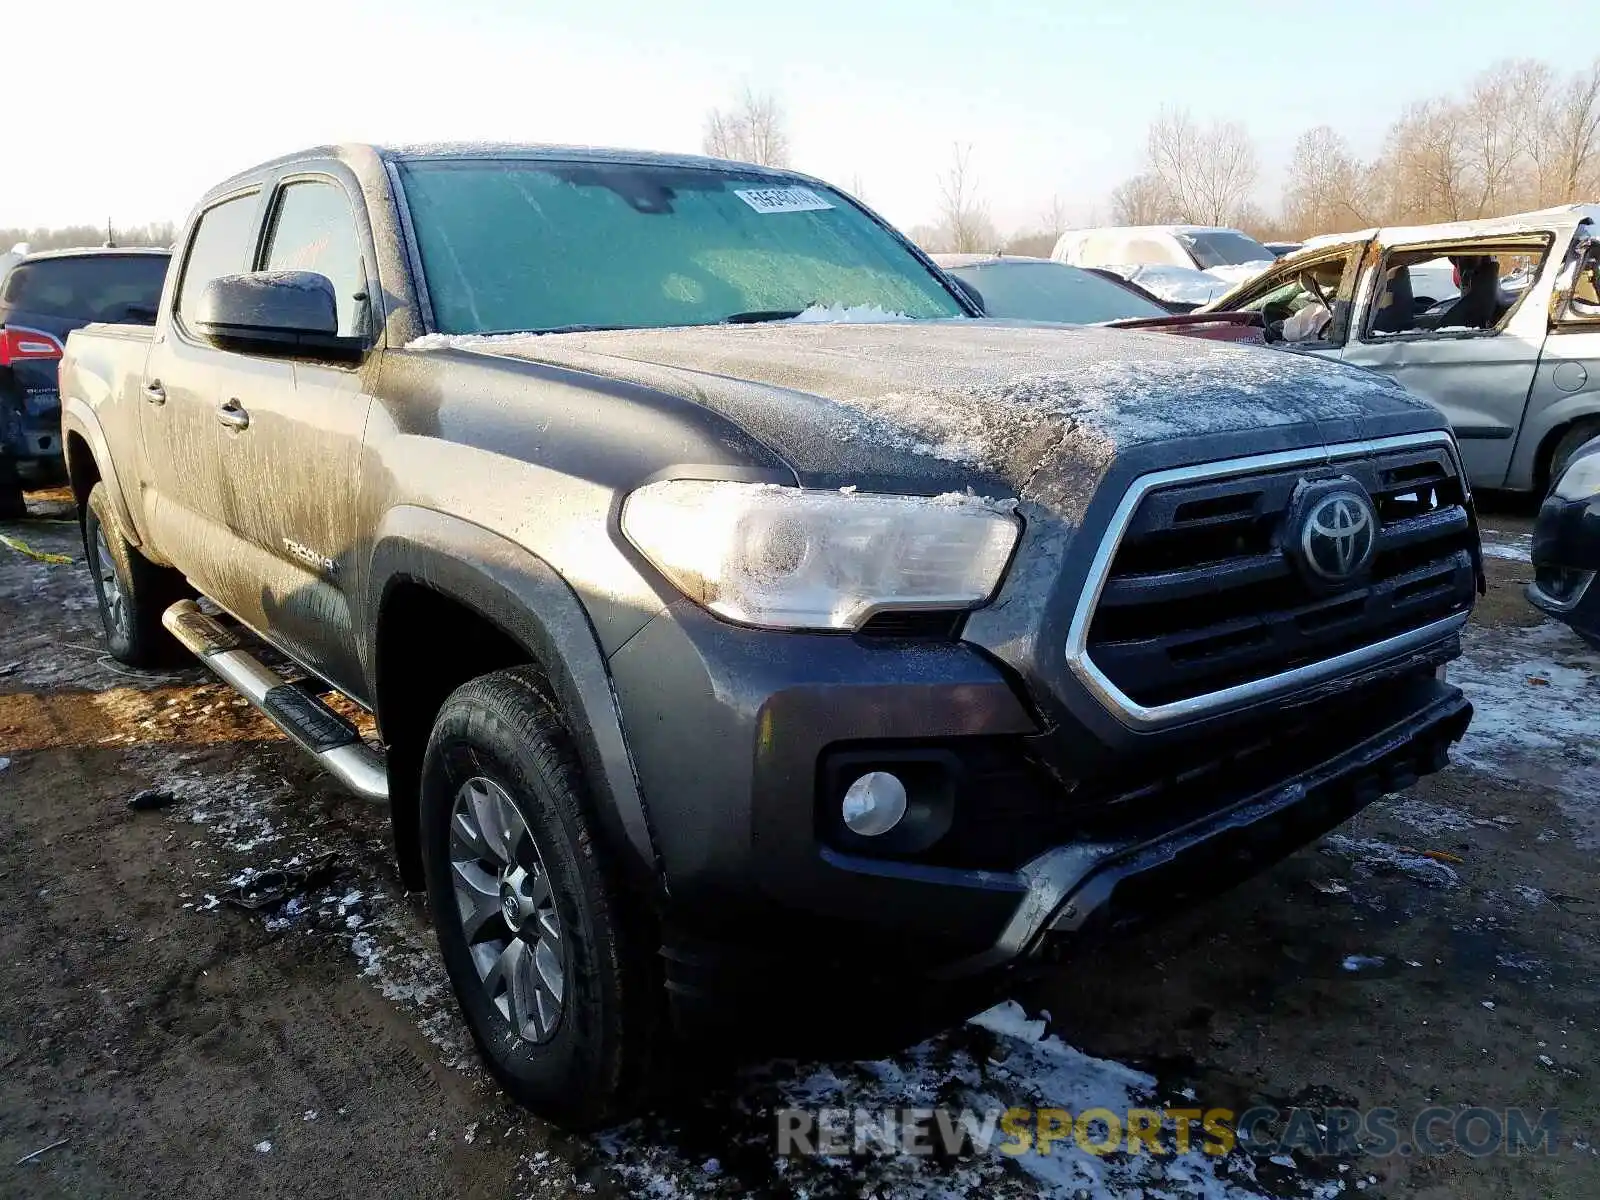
x=77, y=417
x=531, y=603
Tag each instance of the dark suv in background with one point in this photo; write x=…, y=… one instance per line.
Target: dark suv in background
x=44, y=297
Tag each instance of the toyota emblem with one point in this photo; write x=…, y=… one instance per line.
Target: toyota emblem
x=1338, y=535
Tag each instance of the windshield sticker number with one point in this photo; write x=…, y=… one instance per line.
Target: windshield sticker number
x=782, y=200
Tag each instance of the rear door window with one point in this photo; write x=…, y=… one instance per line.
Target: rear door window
x=1462, y=290
x=223, y=244
x=314, y=229
x=99, y=287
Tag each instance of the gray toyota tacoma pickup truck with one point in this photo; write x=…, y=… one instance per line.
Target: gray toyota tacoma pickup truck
x=737, y=608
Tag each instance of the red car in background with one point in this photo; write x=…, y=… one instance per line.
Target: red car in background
x=1039, y=289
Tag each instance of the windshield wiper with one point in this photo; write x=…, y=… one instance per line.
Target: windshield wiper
x=756, y=316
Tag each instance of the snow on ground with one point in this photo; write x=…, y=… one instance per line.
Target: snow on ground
x=1535, y=693
x=1372, y=856
x=255, y=822
x=1016, y=1065
x=401, y=958
x=1513, y=547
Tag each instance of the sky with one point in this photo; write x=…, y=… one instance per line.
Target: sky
x=142, y=107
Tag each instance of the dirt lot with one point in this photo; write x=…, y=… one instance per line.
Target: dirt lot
x=1442, y=949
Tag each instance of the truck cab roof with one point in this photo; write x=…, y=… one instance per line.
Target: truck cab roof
x=357, y=155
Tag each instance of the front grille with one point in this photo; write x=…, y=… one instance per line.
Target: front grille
x=1201, y=594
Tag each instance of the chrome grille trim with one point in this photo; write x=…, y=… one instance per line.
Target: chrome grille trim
x=1142, y=717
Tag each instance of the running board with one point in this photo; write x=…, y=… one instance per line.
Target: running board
x=305, y=718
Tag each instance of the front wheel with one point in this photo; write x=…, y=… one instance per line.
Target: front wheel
x=545, y=949
x=1571, y=442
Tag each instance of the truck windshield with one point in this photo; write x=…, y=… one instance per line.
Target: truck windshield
x=522, y=245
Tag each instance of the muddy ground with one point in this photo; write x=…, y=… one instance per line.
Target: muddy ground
x=1441, y=949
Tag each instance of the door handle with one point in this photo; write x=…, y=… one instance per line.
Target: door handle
x=233, y=415
x=155, y=393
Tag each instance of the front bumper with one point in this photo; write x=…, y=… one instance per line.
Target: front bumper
x=1566, y=562
x=733, y=732
x=1098, y=887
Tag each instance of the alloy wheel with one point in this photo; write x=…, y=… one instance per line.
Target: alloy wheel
x=111, y=594
x=507, y=909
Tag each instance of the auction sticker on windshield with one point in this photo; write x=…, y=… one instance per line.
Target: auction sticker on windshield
x=777, y=200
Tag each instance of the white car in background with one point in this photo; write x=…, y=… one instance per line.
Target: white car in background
x=1191, y=257
x=12, y=257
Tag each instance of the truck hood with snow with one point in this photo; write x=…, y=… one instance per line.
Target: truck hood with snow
x=1038, y=411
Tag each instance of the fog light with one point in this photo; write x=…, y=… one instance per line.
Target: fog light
x=874, y=804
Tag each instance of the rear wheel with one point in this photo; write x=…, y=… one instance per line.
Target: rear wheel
x=546, y=950
x=1571, y=441
x=133, y=592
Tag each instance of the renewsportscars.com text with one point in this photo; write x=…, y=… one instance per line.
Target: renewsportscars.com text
x=1317, y=1132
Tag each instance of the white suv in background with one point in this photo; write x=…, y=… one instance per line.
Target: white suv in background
x=1180, y=263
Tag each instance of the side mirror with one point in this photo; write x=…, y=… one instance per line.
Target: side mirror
x=274, y=312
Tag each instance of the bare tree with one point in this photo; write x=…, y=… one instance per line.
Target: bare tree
x=1426, y=165
x=1055, y=220
x=1327, y=190
x=1492, y=121
x=1208, y=174
x=964, y=224
x=1142, y=200
x=1574, y=137
x=1033, y=243
x=754, y=130
x=157, y=233
x=1520, y=137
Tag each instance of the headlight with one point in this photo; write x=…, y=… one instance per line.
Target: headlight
x=784, y=558
x=1581, y=479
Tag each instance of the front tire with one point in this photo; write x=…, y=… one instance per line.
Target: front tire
x=1571, y=442
x=545, y=949
x=133, y=592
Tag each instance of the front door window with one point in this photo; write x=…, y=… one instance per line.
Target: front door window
x=1307, y=305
